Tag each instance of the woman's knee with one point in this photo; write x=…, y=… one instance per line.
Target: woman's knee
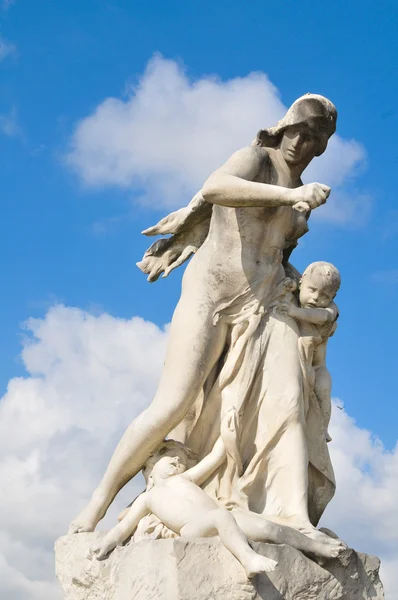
x=164, y=416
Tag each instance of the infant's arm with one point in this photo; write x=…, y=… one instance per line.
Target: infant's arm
x=136, y=512
x=200, y=472
x=123, y=530
x=316, y=316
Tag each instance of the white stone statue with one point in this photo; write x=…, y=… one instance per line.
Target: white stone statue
x=229, y=347
x=173, y=496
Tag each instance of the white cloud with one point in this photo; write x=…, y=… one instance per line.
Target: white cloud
x=365, y=509
x=9, y=124
x=170, y=133
x=7, y=3
x=351, y=208
x=7, y=49
x=87, y=377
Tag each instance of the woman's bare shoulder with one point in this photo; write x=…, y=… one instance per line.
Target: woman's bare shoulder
x=246, y=162
x=252, y=153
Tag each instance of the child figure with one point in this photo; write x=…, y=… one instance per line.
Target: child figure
x=173, y=495
x=317, y=316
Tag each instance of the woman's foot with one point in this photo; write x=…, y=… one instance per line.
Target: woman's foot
x=326, y=550
x=258, y=564
x=88, y=519
x=306, y=528
x=319, y=536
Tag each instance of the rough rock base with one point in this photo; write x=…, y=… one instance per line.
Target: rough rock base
x=204, y=570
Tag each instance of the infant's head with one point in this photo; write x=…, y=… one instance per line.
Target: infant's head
x=170, y=458
x=319, y=285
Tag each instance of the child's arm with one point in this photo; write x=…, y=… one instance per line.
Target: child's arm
x=121, y=532
x=316, y=316
x=200, y=472
x=137, y=511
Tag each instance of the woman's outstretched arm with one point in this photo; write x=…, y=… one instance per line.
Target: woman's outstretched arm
x=234, y=184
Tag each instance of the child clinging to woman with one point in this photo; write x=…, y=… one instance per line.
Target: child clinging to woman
x=316, y=314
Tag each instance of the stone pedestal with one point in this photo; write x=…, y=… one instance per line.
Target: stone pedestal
x=204, y=570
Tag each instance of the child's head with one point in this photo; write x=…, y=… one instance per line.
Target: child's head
x=319, y=285
x=170, y=458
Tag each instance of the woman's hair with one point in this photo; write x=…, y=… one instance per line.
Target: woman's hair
x=312, y=110
x=165, y=447
x=329, y=273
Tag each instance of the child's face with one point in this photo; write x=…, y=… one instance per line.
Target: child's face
x=169, y=464
x=314, y=292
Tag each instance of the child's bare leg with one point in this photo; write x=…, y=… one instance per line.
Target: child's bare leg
x=259, y=529
x=195, y=346
x=323, y=391
x=221, y=522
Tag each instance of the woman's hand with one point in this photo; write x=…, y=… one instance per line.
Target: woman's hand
x=311, y=194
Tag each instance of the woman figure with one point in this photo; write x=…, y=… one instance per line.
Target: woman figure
x=227, y=291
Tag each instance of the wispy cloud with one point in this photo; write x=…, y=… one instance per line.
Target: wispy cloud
x=7, y=3
x=345, y=207
x=9, y=124
x=171, y=132
x=7, y=49
x=365, y=510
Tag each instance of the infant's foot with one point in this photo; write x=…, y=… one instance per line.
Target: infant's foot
x=259, y=564
x=103, y=548
x=88, y=519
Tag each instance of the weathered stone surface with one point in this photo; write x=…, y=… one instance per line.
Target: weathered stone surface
x=175, y=569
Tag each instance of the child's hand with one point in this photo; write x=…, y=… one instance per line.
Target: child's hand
x=283, y=309
x=104, y=547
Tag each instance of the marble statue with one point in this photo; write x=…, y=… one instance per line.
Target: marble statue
x=227, y=345
x=234, y=445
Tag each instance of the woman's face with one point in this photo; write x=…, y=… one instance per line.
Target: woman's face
x=299, y=145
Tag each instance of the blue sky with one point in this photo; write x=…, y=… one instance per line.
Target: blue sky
x=73, y=238
x=70, y=55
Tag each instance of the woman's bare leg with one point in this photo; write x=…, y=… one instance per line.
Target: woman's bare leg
x=195, y=345
x=259, y=529
x=220, y=521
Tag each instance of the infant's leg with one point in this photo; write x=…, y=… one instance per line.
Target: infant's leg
x=220, y=521
x=259, y=529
